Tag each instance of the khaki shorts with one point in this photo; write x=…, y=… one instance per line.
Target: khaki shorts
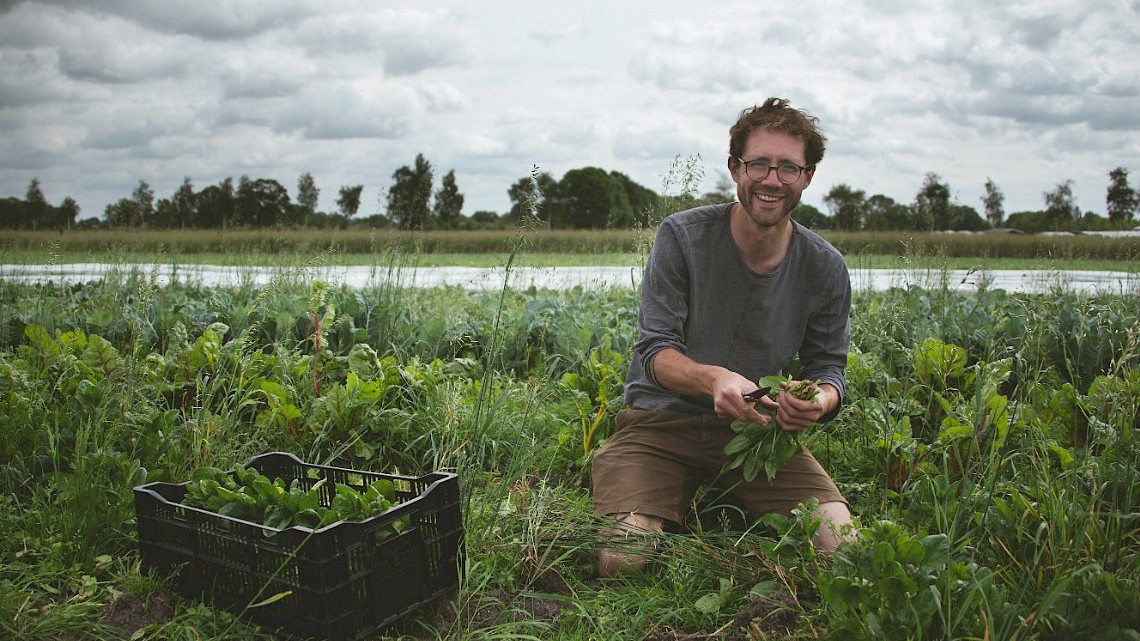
x=655, y=461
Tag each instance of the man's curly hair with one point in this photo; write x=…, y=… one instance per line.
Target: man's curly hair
x=777, y=114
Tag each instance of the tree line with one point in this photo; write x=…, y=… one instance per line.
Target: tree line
x=585, y=198
x=934, y=210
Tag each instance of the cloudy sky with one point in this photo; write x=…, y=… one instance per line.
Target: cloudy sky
x=93, y=100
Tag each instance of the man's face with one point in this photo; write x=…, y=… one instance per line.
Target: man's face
x=769, y=202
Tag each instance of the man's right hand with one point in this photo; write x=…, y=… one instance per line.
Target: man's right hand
x=678, y=373
x=729, y=401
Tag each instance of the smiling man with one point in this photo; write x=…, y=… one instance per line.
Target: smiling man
x=731, y=293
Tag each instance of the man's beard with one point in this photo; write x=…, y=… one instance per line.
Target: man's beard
x=791, y=200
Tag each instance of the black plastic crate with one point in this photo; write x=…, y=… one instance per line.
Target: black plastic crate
x=341, y=582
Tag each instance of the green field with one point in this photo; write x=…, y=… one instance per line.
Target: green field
x=988, y=447
x=542, y=248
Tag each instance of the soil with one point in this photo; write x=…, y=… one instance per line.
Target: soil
x=131, y=612
x=496, y=607
x=774, y=616
x=764, y=618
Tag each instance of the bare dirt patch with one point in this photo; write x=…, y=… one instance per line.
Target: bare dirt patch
x=768, y=618
x=132, y=612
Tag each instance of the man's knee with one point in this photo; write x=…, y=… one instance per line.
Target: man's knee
x=836, y=526
x=629, y=546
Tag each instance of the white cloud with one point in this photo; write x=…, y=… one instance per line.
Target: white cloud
x=1027, y=92
x=263, y=72
x=207, y=19
x=399, y=42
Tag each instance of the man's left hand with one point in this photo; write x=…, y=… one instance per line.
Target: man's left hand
x=796, y=414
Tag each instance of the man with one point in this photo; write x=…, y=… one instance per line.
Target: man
x=731, y=293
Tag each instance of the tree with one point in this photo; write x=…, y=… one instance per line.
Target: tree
x=484, y=219
x=1121, y=198
x=410, y=195
x=263, y=202
x=36, y=208
x=965, y=218
x=1060, y=208
x=883, y=213
x=594, y=200
x=122, y=214
x=216, y=205
x=846, y=206
x=12, y=213
x=448, y=203
x=1091, y=221
x=994, y=203
x=164, y=215
x=136, y=211
x=307, y=194
x=349, y=200
x=185, y=205
x=932, y=203
x=67, y=212
x=808, y=216
x=1030, y=222
x=242, y=215
x=642, y=201
x=143, y=197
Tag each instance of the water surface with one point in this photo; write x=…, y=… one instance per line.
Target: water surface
x=1014, y=281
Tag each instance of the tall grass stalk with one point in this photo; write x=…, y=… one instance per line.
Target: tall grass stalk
x=530, y=213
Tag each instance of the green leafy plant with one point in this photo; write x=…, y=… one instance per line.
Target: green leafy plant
x=711, y=603
x=889, y=584
x=321, y=323
x=768, y=447
x=594, y=391
x=251, y=496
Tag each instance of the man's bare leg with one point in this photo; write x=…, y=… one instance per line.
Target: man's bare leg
x=836, y=519
x=615, y=560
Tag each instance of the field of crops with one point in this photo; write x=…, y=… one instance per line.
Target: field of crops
x=617, y=246
x=988, y=448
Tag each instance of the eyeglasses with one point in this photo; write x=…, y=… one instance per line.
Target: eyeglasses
x=787, y=172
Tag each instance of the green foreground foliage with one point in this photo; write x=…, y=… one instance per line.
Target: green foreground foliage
x=988, y=448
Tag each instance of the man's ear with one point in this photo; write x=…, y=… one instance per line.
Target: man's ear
x=733, y=165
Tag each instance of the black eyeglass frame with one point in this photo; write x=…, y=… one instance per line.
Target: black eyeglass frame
x=762, y=164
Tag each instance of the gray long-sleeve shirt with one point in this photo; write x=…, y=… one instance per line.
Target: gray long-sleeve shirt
x=699, y=297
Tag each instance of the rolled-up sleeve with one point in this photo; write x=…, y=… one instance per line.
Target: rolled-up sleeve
x=823, y=354
x=664, y=300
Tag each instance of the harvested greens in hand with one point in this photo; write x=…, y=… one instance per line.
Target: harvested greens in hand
x=767, y=447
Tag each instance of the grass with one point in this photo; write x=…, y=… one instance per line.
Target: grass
x=543, y=248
